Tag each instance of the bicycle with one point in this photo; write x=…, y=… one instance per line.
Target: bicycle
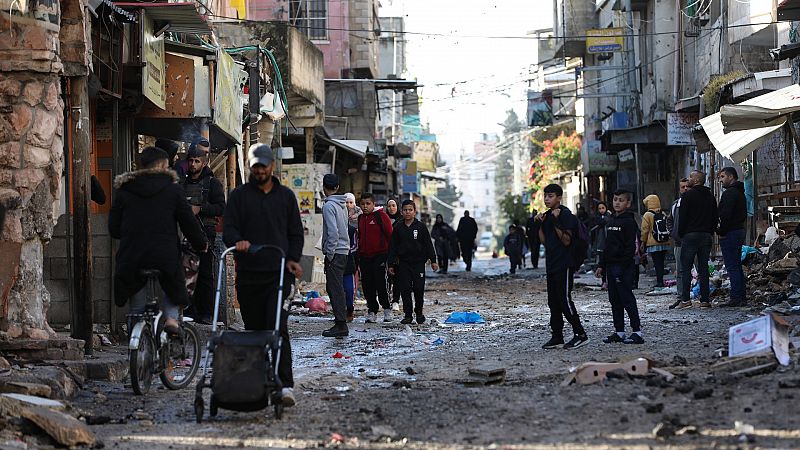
x=151, y=350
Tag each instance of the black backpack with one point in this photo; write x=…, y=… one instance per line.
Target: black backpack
x=660, y=229
x=579, y=246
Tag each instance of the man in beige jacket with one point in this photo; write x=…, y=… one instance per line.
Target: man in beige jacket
x=655, y=236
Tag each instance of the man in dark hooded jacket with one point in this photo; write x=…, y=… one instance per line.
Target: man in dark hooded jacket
x=466, y=232
x=732, y=216
x=147, y=208
x=207, y=198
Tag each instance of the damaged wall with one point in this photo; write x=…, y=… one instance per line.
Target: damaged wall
x=31, y=157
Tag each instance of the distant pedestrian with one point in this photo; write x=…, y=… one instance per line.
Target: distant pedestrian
x=513, y=245
x=335, y=247
x=374, y=234
x=532, y=229
x=393, y=211
x=558, y=227
x=697, y=223
x=599, y=233
x=410, y=249
x=655, y=236
x=441, y=234
x=466, y=232
x=353, y=211
x=672, y=224
x=617, y=264
x=732, y=217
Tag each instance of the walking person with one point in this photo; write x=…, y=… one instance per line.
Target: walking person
x=441, y=237
x=672, y=224
x=409, y=250
x=513, y=246
x=617, y=265
x=466, y=232
x=264, y=212
x=697, y=223
x=732, y=217
x=147, y=209
x=393, y=211
x=599, y=230
x=374, y=234
x=532, y=229
x=206, y=196
x=335, y=247
x=655, y=236
x=558, y=228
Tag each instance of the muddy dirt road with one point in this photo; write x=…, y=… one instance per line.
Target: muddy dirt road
x=401, y=390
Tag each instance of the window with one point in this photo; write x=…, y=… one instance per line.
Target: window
x=311, y=17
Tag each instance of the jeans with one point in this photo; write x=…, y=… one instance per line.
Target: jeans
x=658, y=263
x=731, y=245
x=695, y=245
x=620, y=294
x=373, y=282
x=138, y=301
x=559, y=300
x=334, y=272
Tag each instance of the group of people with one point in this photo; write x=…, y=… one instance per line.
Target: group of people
x=451, y=244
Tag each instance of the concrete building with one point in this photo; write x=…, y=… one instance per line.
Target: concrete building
x=473, y=175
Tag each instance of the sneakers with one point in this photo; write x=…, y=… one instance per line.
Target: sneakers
x=705, y=304
x=613, y=338
x=553, y=343
x=420, y=319
x=339, y=329
x=407, y=320
x=576, y=342
x=684, y=305
x=395, y=306
x=371, y=317
x=634, y=338
x=675, y=305
x=287, y=397
x=387, y=315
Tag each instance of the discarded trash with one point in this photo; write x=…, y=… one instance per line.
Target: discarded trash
x=593, y=372
x=464, y=317
x=317, y=304
x=748, y=250
x=671, y=290
x=760, y=335
x=485, y=375
x=312, y=294
x=337, y=355
x=670, y=283
x=438, y=341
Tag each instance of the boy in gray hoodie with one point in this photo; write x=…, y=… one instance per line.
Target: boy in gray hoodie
x=336, y=248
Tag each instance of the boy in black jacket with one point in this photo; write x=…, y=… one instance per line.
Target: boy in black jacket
x=409, y=250
x=617, y=263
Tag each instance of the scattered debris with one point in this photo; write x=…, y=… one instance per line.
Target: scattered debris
x=411, y=371
x=654, y=408
x=464, y=317
x=383, y=431
x=593, y=372
x=765, y=334
x=29, y=400
x=65, y=429
x=485, y=375
x=700, y=394
x=19, y=387
x=746, y=365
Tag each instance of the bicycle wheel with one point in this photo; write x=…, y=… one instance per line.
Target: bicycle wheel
x=141, y=362
x=182, y=358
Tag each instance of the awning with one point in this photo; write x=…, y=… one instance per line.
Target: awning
x=654, y=133
x=738, y=130
x=355, y=147
x=433, y=176
x=182, y=17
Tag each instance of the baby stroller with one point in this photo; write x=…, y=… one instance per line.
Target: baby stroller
x=244, y=374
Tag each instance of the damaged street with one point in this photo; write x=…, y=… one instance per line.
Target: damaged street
x=404, y=387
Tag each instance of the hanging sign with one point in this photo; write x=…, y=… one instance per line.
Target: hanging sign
x=153, y=59
x=605, y=40
x=227, y=102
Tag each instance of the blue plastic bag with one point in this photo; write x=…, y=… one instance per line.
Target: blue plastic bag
x=312, y=294
x=748, y=250
x=464, y=317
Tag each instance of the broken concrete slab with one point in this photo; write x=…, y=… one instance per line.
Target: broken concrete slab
x=487, y=370
x=20, y=387
x=65, y=429
x=32, y=401
x=594, y=372
x=103, y=366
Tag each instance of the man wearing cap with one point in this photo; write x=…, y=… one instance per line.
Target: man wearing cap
x=148, y=207
x=262, y=211
x=169, y=146
x=200, y=143
x=206, y=196
x=336, y=247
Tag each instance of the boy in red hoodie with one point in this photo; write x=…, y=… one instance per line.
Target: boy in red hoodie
x=374, y=234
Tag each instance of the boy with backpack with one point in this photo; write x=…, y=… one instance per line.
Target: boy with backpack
x=374, y=235
x=618, y=265
x=564, y=242
x=512, y=245
x=655, y=236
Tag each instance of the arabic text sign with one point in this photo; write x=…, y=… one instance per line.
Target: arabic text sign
x=679, y=128
x=605, y=40
x=227, y=102
x=153, y=71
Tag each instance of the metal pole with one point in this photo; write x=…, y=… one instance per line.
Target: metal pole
x=638, y=179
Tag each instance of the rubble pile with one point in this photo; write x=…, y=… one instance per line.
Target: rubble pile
x=773, y=279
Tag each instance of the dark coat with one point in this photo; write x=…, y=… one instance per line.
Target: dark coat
x=698, y=212
x=732, y=209
x=467, y=229
x=441, y=234
x=147, y=208
x=212, y=199
x=620, y=242
x=532, y=229
x=513, y=244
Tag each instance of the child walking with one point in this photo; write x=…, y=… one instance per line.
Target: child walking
x=409, y=250
x=618, y=265
x=512, y=245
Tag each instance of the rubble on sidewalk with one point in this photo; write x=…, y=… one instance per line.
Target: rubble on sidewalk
x=485, y=375
x=594, y=372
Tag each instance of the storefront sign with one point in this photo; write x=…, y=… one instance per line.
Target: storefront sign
x=679, y=128
x=605, y=40
x=410, y=183
x=595, y=161
x=153, y=71
x=227, y=102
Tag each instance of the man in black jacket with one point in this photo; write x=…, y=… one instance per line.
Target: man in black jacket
x=697, y=223
x=409, y=250
x=732, y=217
x=148, y=206
x=466, y=232
x=206, y=196
x=616, y=262
x=263, y=211
x=672, y=226
x=532, y=230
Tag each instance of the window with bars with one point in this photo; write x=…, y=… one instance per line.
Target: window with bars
x=311, y=17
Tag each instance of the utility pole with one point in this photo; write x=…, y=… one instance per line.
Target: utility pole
x=83, y=309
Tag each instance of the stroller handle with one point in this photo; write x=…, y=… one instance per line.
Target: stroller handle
x=254, y=248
